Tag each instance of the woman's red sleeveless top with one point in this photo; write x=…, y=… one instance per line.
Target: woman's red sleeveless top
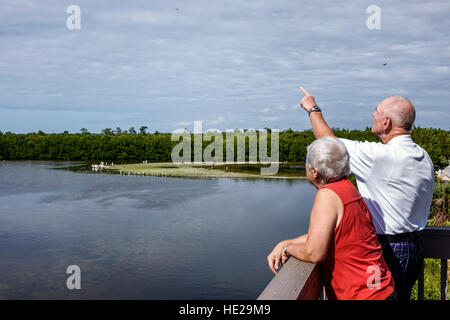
x=354, y=267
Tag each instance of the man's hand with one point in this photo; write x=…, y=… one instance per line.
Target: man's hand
x=320, y=127
x=308, y=100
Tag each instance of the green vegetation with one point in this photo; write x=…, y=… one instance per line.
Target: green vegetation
x=439, y=212
x=156, y=147
x=432, y=281
x=436, y=142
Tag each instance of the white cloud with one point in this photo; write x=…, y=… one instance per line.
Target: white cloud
x=270, y=119
x=220, y=119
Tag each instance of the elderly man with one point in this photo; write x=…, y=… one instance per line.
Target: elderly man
x=395, y=178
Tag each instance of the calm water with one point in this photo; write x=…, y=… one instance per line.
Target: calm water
x=137, y=237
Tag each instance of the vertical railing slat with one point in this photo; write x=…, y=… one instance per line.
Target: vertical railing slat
x=443, y=279
x=421, y=283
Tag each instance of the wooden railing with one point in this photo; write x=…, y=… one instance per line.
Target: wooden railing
x=436, y=245
x=299, y=280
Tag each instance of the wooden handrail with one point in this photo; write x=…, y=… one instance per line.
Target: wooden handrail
x=299, y=280
x=436, y=242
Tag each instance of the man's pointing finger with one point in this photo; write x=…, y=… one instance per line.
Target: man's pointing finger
x=305, y=91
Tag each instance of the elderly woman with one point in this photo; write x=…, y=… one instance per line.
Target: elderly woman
x=341, y=234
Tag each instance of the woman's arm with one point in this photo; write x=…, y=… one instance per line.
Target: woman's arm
x=323, y=220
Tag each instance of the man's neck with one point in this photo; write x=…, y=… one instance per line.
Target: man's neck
x=392, y=134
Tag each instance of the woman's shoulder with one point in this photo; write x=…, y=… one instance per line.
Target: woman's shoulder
x=325, y=194
x=329, y=202
x=344, y=188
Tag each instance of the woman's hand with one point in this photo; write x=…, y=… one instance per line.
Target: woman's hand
x=277, y=256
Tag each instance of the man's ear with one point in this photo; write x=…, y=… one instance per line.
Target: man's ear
x=387, y=124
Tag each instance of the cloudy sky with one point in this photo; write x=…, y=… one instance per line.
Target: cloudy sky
x=231, y=64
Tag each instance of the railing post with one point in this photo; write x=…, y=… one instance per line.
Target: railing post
x=443, y=279
x=421, y=282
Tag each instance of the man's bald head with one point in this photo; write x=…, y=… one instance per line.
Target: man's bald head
x=400, y=110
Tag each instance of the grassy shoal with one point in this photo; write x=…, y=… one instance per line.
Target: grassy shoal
x=194, y=170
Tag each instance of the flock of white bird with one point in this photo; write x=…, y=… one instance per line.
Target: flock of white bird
x=101, y=166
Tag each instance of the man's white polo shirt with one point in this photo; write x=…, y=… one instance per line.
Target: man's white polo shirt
x=396, y=181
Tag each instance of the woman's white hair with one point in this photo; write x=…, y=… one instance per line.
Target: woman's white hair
x=330, y=158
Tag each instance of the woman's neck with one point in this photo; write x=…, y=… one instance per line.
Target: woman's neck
x=318, y=184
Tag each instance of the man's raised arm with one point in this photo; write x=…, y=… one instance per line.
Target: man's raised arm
x=320, y=127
